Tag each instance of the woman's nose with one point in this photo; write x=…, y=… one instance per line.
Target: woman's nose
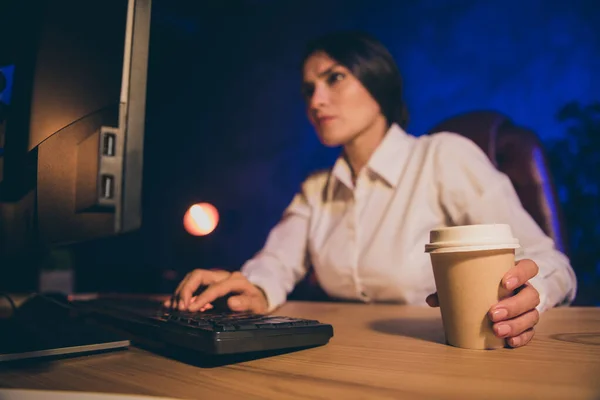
x=319, y=98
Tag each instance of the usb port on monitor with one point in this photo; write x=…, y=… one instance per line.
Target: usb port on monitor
x=108, y=187
x=109, y=142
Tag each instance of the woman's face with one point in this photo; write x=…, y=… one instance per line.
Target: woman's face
x=338, y=105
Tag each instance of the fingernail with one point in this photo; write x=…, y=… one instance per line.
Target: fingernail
x=499, y=314
x=511, y=283
x=234, y=302
x=514, y=342
x=502, y=330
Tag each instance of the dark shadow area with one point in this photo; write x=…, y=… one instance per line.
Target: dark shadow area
x=430, y=330
x=203, y=360
x=587, y=338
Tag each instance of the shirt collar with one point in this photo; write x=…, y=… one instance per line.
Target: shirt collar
x=387, y=162
x=341, y=172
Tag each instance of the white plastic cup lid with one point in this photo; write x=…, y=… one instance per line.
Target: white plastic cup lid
x=471, y=238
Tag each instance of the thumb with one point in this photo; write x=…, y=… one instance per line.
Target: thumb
x=244, y=302
x=433, y=300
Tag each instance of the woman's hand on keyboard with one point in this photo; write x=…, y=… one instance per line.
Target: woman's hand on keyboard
x=246, y=296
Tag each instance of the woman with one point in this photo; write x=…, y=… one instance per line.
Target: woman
x=363, y=224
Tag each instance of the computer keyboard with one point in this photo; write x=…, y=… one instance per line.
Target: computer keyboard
x=211, y=332
x=227, y=322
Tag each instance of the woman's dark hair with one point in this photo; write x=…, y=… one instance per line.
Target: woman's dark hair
x=371, y=63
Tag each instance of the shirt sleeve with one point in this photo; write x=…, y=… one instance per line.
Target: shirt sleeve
x=473, y=191
x=282, y=262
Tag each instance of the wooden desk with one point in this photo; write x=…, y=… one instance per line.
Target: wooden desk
x=379, y=351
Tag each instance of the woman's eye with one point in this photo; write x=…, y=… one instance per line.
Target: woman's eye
x=335, y=77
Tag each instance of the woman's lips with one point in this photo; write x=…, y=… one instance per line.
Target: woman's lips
x=325, y=119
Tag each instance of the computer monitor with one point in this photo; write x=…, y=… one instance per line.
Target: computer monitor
x=74, y=131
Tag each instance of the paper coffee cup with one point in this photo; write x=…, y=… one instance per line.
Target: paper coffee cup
x=469, y=263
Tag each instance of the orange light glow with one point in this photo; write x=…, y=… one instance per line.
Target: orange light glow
x=201, y=219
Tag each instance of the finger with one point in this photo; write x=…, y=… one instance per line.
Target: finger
x=514, y=327
x=511, y=307
x=208, y=277
x=220, y=289
x=520, y=274
x=239, y=303
x=169, y=302
x=432, y=300
x=250, y=303
x=196, y=279
x=194, y=298
x=173, y=301
x=522, y=339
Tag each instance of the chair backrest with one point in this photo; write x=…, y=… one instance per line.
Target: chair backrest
x=517, y=152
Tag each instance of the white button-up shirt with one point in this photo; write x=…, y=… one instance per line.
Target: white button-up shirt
x=366, y=241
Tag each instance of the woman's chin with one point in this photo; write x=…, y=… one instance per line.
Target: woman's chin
x=331, y=140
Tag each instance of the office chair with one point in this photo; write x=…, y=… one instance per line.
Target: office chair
x=517, y=152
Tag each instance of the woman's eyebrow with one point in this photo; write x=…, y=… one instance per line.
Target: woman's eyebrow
x=328, y=71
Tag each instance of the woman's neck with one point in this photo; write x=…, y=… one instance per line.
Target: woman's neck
x=360, y=149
